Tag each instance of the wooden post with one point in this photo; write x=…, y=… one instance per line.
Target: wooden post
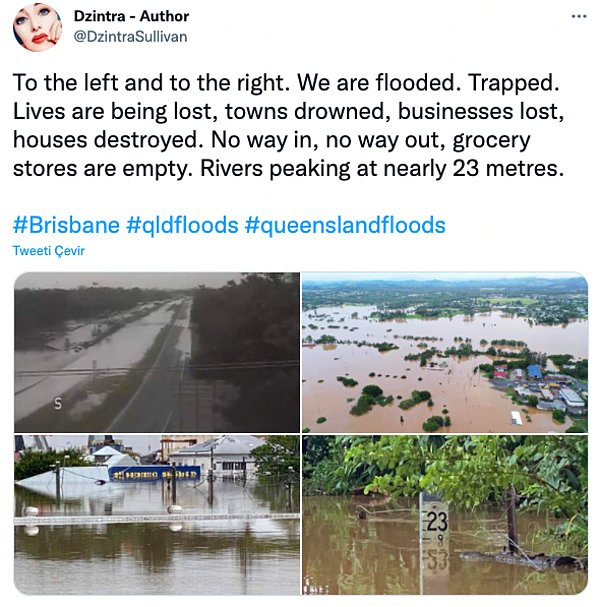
x=511, y=514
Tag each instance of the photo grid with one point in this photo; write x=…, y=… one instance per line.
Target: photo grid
x=286, y=434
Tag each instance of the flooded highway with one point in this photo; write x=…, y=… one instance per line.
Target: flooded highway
x=134, y=372
x=42, y=375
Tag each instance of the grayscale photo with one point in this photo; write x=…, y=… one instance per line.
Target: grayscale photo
x=181, y=352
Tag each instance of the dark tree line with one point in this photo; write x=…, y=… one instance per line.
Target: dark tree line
x=255, y=319
x=48, y=309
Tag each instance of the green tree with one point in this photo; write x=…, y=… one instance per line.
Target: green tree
x=278, y=455
x=32, y=462
x=559, y=416
x=548, y=473
x=325, y=469
x=372, y=390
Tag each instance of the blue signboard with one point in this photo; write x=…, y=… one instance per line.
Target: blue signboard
x=153, y=473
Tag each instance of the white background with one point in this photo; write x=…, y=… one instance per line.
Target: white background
x=517, y=224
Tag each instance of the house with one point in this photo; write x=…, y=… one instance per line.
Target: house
x=170, y=443
x=500, y=372
x=522, y=392
x=573, y=401
x=534, y=372
x=108, y=456
x=560, y=378
x=228, y=453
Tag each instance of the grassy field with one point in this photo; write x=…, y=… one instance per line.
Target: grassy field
x=510, y=300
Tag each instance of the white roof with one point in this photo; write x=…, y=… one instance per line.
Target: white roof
x=516, y=418
x=572, y=397
x=228, y=444
x=120, y=460
x=71, y=474
x=107, y=451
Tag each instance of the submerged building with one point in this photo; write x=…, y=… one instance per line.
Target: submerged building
x=574, y=402
x=226, y=453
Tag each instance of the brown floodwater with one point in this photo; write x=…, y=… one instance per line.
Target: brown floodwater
x=381, y=555
x=472, y=402
x=223, y=557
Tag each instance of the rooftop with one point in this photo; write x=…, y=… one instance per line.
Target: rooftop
x=224, y=445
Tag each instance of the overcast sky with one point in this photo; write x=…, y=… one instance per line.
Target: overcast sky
x=140, y=443
x=448, y=276
x=144, y=280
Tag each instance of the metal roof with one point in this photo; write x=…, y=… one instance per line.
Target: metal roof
x=228, y=444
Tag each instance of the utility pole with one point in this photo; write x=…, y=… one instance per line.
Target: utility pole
x=57, y=479
x=288, y=486
x=210, y=478
x=196, y=404
x=179, y=399
x=174, y=483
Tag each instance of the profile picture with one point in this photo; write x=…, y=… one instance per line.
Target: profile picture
x=37, y=27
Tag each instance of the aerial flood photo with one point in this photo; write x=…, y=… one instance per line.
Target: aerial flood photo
x=471, y=353
x=157, y=514
x=436, y=514
x=146, y=352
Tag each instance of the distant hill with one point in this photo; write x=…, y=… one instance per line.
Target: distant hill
x=536, y=283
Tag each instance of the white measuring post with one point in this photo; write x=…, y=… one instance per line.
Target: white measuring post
x=434, y=543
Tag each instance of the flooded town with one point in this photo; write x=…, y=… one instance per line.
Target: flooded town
x=481, y=356
x=195, y=515
x=152, y=353
x=433, y=443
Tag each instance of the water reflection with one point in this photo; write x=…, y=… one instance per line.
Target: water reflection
x=230, y=496
x=120, y=350
x=208, y=557
x=381, y=555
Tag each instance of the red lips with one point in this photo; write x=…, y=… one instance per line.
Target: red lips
x=39, y=38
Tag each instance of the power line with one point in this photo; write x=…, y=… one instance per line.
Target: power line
x=115, y=370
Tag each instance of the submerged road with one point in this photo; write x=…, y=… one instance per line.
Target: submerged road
x=153, y=404
x=251, y=397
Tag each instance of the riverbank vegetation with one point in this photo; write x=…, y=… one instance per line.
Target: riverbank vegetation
x=543, y=473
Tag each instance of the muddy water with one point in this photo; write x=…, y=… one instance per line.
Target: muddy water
x=473, y=404
x=552, y=339
x=381, y=555
x=119, y=350
x=218, y=557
